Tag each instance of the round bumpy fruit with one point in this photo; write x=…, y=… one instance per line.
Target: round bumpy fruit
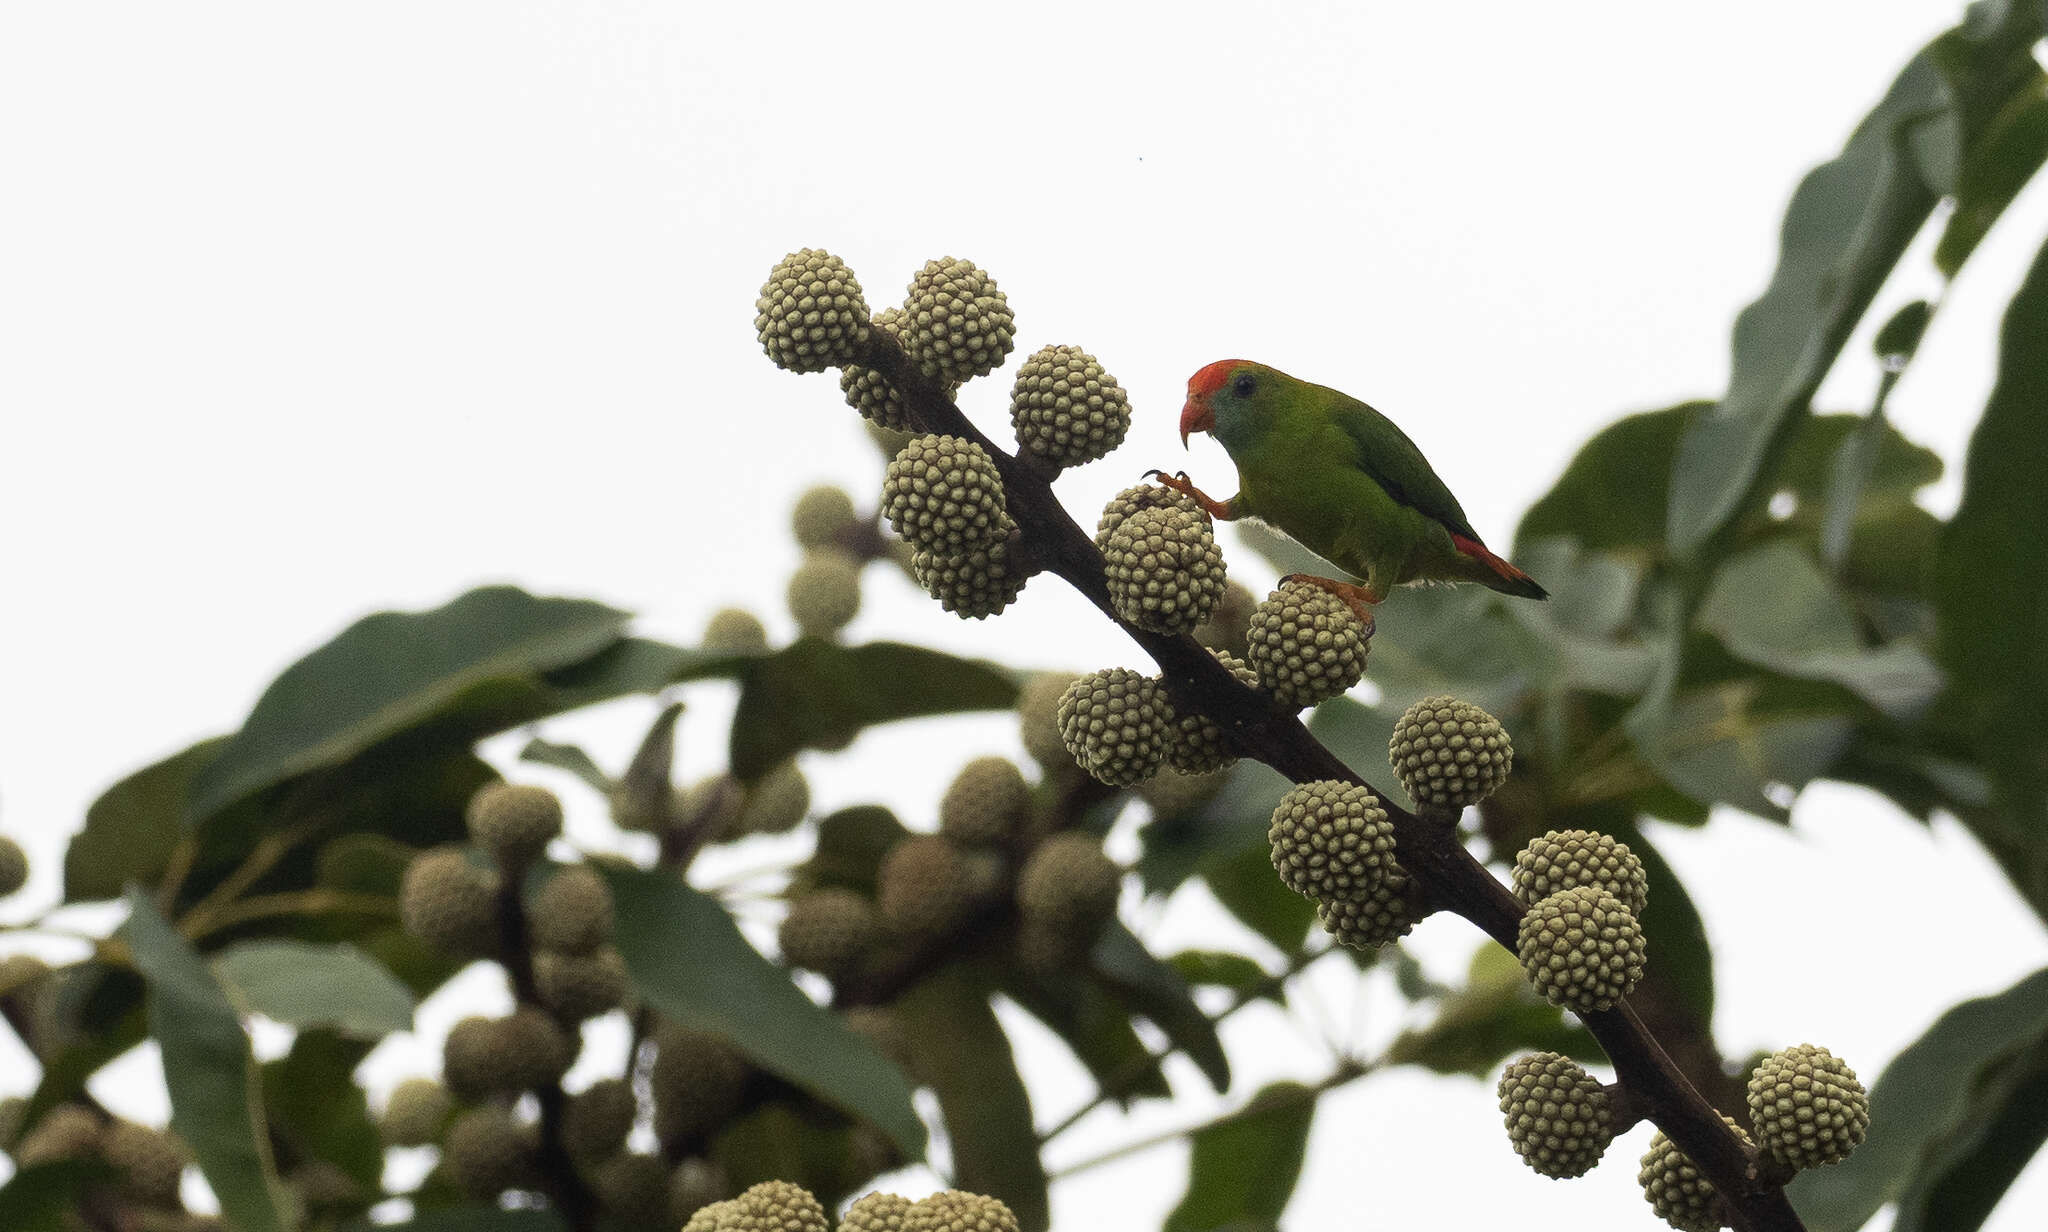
x=697, y=1080
x=974, y=584
x=533, y=1049
x=1137, y=499
x=1068, y=885
x=1373, y=920
x=830, y=931
x=1170, y=795
x=488, y=1152
x=1038, y=719
x=810, y=315
x=823, y=517
x=1197, y=744
x=575, y=987
x=514, y=822
x=150, y=1162
x=956, y=1210
x=877, y=399
x=1675, y=1189
x=1225, y=629
x=596, y=1120
x=1306, y=645
x=1558, y=1116
x=944, y=495
x=956, y=324
x=1332, y=841
x=1582, y=949
x=1807, y=1107
x=13, y=866
x=876, y=1212
x=1066, y=409
x=1568, y=859
x=824, y=592
x=633, y=1188
x=415, y=1113
x=450, y=903
x=735, y=630
x=1116, y=724
x=924, y=887
x=572, y=912
x=1164, y=570
x=1449, y=753
x=986, y=803
x=774, y=1206
x=777, y=803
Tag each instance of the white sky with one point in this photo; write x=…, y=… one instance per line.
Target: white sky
x=314, y=310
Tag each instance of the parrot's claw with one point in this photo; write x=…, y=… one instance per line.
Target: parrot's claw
x=1179, y=482
x=1360, y=599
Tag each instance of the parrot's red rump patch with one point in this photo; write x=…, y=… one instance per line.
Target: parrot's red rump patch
x=1212, y=378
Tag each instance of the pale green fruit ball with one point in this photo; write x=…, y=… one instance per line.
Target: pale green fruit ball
x=416, y=1113
x=1137, y=499
x=974, y=584
x=823, y=517
x=1331, y=841
x=1164, y=570
x=1675, y=1189
x=986, y=804
x=775, y=1206
x=576, y=987
x=1038, y=719
x=1306, y=645
x=824, y=592
x=777, y=803
x=1373, y=920
x=697, y=1080
x=1170, y=794
x=572, y=912
x=450, y=902
x=489, y=1151
x=514, y=822
x=872, y=394
x=924, y=886
x=1069, y=886
x=1066, y=409
x=830, y=931
x=1449, y=753
x=876, y=1212
x=13, y=866
x=1226, y=626
x=811, y=315
x=1116, y=723
x=712, y=1218
x=956, y=323
x=632, y=1188
x=944, y=495
x=1808, y=1108
x=1558, y=1117
x=694, y=1185
x=735, y=630
x=1568, y=859
x=1582, y=949
x=955, y=1210
x=596, y=1120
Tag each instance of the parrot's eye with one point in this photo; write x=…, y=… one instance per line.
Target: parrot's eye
x=1242, y=386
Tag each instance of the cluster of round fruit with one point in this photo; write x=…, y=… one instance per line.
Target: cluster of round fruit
x=784, y=1207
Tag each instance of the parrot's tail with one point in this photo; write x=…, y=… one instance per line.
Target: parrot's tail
x=1506, y=579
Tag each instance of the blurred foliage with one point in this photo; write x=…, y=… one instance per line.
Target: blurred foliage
x=1748, y=597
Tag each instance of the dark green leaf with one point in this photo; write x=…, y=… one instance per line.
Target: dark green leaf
x=1730, y=742
x=815, y=691
x=476, y=1219
x=303, y=986
x=209, y=1072
x=1991, y=588
x=959, y=1048
x=1683, y=974
x=689, y=961
x=2002, y=162
x=1976, y=1172
x=1154, y=989
x=45, y=1197
x=397, y=670
x=314, y=1104
x=1093, y=1024
x=1494, y=1014
x=1242, y=1170
x=1931, y=1109
x=1249, y=889
x=131, y=830
x=1900, y=336
x=644, y=797
x=567, y=757
x=1221, y=969
x=1615, y=492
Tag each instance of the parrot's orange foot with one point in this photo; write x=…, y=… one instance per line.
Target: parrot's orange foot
x=1359, y=599
x=1179, y=482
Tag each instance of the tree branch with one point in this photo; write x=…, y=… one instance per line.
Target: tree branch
x=1264, y=731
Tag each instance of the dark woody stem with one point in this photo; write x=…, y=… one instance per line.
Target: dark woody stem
x=1260, y=729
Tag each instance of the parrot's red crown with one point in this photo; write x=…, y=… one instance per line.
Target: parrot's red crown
x=1212, y=378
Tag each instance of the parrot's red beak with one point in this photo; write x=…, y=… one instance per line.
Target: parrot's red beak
x=1196, y=416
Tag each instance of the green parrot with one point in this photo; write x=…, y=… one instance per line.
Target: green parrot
x=1342, y=480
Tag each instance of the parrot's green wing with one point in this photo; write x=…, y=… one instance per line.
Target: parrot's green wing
x=1386, y=453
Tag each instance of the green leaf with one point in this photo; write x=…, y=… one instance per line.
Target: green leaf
x=313, y=1103
x=1900, y=336
x=816, y=691
x=476, y=1219
x=398, y=670
x=1242, y=1170
x=1991, y=588
x=45, y=1197
x=959, y=1049
x=1154, y=989
x=1615, y=492
x=1683, y=974
x=1222, y=969
x=1729, y=742
x=304, y=986
x=644, y=796
x=1494, y=1014
x=132, y=829
x=1245, y=883
x=2005, y=158
x=1932, y=1111
x=1847, y=226
x=567, y=757
x=778, y=1142
x=1094, y=1025
x=208, y=1070
x=689, y=961
x=1772, y=606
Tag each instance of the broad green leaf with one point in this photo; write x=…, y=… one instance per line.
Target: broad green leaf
x=132, y=829
x=2005, y=158
x=815, y=691
x=215, y=1106
x=1222, y=969
x=1933, y=1107
x=1242, y=1170
x=567, y=757
x=313, y=1103
x=479, y=1219
x=960, y=1050
x=1772, y=606
x=689, y=961
x=45, y=1197
x=304, y=986
x=1248, y=888
x=1615, y=492
x=1154, y=989
x=1991, y=588
x=1847, y=226
x=1094, y=1025
x=1978, y=1169
x=1494, y=1014
x=1729, y=742
x=397, y=670
x=1684, y=971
